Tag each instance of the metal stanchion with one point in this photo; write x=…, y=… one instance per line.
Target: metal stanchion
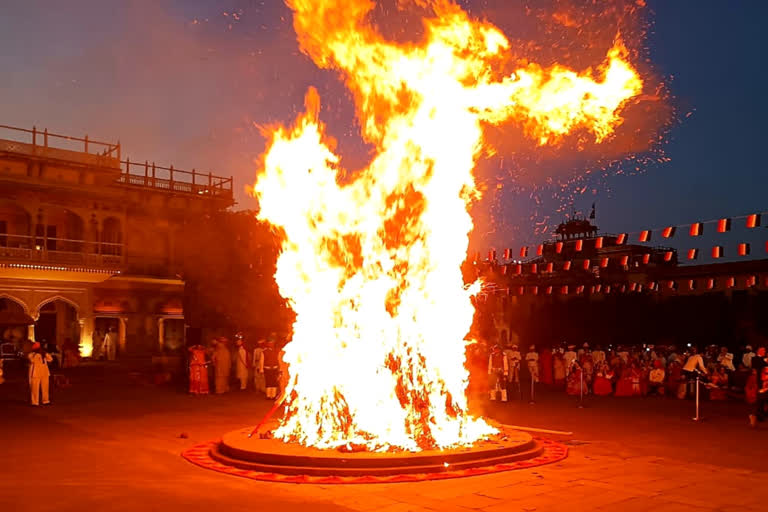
x=697, y=417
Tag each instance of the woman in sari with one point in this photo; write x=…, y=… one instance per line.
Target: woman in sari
x=603, y=385
x=575, y=385
x=718, y=384
x=624, y=384
x=198, y=373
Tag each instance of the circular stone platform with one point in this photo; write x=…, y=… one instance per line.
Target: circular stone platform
x=275, y=460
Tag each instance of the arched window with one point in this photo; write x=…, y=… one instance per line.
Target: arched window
x=111, y=237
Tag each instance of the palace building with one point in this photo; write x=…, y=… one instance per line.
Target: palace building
x=89, y=242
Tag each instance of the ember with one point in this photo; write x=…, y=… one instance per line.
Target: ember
x=371, y=267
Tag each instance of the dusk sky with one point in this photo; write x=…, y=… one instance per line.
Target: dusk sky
x=183, y=82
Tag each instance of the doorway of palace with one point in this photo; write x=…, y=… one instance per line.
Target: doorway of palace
x=57, y=323
x=101, y=326
x=173, y=334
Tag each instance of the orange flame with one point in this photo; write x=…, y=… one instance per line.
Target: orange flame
x=372, y=267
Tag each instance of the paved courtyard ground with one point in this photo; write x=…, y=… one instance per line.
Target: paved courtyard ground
x=109, y=443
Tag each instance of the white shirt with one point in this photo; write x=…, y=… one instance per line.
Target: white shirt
x=38, y=367
x=693, y=362
x=258, y=358
x=513, y=356
x=726, y=361
x=746, y=359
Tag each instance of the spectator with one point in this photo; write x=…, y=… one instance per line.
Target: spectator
x=575, y=384
x=758, y=408
x=746, y=359
x=568, y=358
x=39, y=374
x=222, y=364
x=603, y=384
x=758, y=361
x=558, y=368
x=241, y=362
x=718, y=384
x=656, y=379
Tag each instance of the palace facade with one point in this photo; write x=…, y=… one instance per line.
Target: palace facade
x=89, y=242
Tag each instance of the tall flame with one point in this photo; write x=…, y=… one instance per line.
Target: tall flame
x=371, y=267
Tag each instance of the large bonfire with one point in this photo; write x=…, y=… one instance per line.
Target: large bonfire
x=371, y=266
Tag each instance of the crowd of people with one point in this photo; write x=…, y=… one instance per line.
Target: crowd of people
x=223, y=363
x=628, y=371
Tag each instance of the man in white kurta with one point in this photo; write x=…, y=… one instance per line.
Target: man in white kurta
x=241, y=363
x=258, y=366
x=532, y=361
x=110, y=344
x=39, y=374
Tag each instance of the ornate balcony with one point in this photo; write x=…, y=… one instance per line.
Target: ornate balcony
x=43, y=253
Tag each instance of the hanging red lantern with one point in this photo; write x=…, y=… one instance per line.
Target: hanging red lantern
x=492, y=255
x=567, y=265
x=579, y=245
x=645, y=236
x=504, y=270
x=691, y=284
x=550, y=267
x=711, y=283
x=540, y=250
x=535, y=290
x=744, y=249
x=507, y=254
x=559, y=247
x=668, y=232
x=599, y=242
x=534, y=268
x=753, y=221
x=564, y=290
x=549, y=290
x=697, y=229
x=518, y=269
x=730, y=282
x=620, y=239
x=586, y=264
x=524, y=252
x=693, y=254
x=604, y=262
x=580, y=289
x=717, y=251
x=646, y=258
x=668, y=255
x=752, y=281
x=624, y=261
x=723, y=225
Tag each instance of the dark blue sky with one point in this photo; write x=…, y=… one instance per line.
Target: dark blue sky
x=183, y=82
